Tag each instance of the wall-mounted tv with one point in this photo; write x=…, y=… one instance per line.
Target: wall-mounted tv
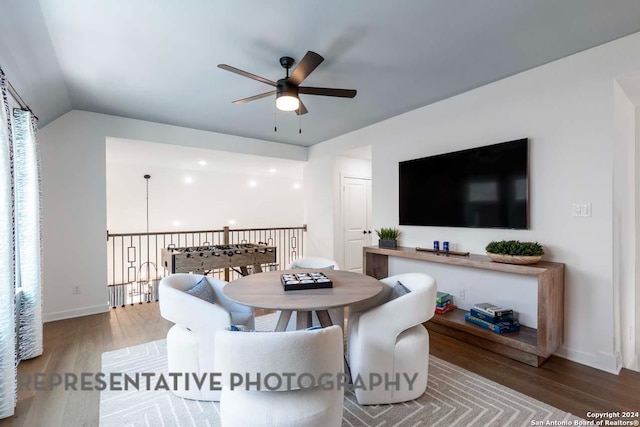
x=485, y=187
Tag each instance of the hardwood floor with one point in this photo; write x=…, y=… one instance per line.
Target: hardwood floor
x=76, y=345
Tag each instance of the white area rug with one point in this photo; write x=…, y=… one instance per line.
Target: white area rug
x=454, y=397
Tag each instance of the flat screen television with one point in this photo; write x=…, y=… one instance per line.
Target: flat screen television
x=485, y=187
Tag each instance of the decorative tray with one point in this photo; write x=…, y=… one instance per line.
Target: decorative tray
x=300, y=281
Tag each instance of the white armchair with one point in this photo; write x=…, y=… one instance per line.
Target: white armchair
x=336, y=314
x=390, y=339
x=315, y=352
x=190, y=342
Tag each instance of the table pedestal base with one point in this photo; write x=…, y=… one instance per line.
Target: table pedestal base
x=303, y=319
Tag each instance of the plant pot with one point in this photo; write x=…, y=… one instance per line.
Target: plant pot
x=387, y=243
x=515, y=259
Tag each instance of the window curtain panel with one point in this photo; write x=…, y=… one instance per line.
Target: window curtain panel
x=27, y=231
x=8, y=356
x=20, y=246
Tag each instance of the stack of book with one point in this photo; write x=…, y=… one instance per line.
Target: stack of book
x=490, y=316
x=444, y=303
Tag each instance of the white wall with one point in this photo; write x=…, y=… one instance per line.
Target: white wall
x=74, y=191
x=566, y=109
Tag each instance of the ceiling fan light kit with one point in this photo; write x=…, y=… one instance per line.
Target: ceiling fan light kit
x=287, y=102
x=288, y=89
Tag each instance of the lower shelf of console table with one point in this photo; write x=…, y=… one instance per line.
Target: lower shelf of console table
x=521, y=345
x=530, y=346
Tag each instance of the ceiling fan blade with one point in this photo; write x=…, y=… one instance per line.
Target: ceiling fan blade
x=309, y=63
x=245, y=74
x=253, y=98
x=324, y=91
x=302, y=109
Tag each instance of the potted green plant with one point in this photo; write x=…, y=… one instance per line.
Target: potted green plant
x=388, y=237
x=515, y=252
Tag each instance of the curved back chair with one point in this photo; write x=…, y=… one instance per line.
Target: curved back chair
x=190, y=342
x=336, y=314
x=316, y=352
x=389, y=339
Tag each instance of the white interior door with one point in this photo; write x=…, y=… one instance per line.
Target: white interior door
x=356, y=220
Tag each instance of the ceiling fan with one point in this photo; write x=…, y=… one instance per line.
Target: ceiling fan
x=288, y=89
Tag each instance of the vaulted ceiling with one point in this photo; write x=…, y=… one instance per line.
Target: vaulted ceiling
x=156, y=59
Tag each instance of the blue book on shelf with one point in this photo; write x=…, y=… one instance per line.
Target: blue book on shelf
x=498, y=328
x=508, y=318
x=442, y=297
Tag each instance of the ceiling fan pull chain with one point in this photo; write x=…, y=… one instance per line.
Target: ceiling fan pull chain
x=275, y=121
x=299, y=119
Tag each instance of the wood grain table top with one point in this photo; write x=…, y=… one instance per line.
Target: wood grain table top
x=265, y=290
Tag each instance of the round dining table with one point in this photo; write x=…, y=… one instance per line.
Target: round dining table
x=266, y=291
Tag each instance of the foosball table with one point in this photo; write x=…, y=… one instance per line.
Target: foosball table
x=203, y=259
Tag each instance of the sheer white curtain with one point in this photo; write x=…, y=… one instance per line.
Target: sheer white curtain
x=20, y=246
x=7, y=284
x=27, y=201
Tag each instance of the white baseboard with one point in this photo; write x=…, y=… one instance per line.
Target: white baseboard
x=79, y=312
x=603, y=361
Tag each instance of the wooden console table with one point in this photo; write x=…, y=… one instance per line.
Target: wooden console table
x=531, y=346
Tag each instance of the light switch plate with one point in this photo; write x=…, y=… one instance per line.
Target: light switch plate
x=582, y=210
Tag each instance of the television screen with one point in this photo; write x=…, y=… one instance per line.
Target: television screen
x=485, y=187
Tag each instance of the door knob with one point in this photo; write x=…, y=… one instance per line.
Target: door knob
x=364, y=231
x=369, y=231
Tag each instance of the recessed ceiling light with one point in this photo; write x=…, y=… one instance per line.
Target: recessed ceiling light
x=297, y=186
x=176, y=223
x=202, y=163
x=232, y=221
x=272, y=170
x=252, y=183
x=188, y=180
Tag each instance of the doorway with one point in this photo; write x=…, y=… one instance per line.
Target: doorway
x=356, y=220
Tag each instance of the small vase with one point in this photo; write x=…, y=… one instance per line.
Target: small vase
x=383, y=243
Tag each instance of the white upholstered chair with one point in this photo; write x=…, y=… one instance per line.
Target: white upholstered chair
x=336, y=314
x=190, y=342
x=387, y=337
x=315, y=352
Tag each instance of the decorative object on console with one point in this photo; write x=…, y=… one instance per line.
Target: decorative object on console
x=515, y=252
x=388, y=237
x=419, y=249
